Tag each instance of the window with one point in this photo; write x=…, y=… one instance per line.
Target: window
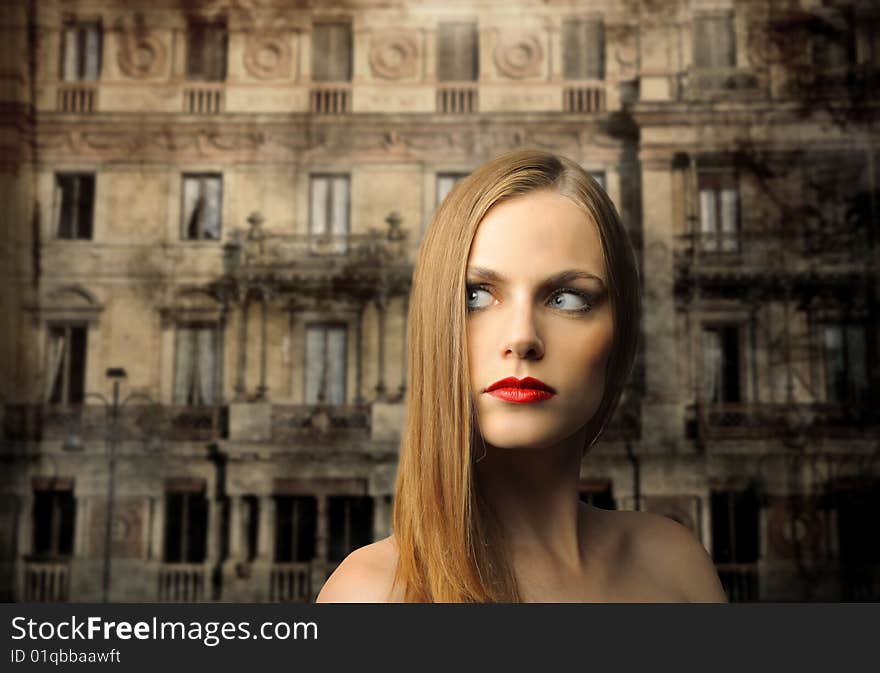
x=66, y=363
x=81, y=51
x=295, y=528
x=721, y=364
x=202, y=202
x=325, y=364
x=186, y=525
x=328, y=221
x=445, y=183
x=458, y=57
x=857, y=505
x=719, y=212
x=206, y=50
x=54, y=517
x=198, y=365
x=735, y=528
x=714, y=41
x=351, y=524
x=846, y=363
x=834, y=44
x=74, y=205
x=583, y=49
x=331, y=52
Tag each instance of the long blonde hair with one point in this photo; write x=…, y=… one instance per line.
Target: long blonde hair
x=449, y=549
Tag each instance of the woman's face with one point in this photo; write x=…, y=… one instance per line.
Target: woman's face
x=538, y=307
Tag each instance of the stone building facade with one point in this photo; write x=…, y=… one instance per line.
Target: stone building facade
x=213, y=209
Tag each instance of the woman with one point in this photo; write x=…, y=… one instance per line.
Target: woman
x=523, y=327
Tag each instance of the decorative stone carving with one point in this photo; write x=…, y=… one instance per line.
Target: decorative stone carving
x=268, y=56
x=140, y=55
x=519, y=56
x=394, y=55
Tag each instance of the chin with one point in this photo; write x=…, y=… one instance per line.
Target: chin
x=527, y=435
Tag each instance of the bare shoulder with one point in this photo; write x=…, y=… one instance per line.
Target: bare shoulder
x=365, y=576
x=669, y=554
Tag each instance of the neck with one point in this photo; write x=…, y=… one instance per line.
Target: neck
x=534, y=496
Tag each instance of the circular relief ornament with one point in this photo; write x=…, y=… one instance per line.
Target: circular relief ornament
x=267, y=56
x=142, y=56
x=519, y=56
x=393, y=56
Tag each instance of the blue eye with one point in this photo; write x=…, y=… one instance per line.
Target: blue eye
x=582, y=302
x=473, y=298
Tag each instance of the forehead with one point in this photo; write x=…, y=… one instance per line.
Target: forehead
x=535, y=234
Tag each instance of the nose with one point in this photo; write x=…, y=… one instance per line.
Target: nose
x=521, y=337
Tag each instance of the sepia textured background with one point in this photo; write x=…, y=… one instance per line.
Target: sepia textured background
x=210, y=214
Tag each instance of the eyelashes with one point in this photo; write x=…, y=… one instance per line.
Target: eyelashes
x=586, y=298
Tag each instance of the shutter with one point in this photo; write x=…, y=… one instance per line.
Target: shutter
x=339, y=222
x=195, y=51
x=336, y=365
x=221, y=38
x=85, y=206
x=70, y=65
x=594, y=50
x=315, y=342
x=319, y=199
x=337, y=57
x=711, y=366
x=183, y=365
x=729, y=219
x=191, y=211
x=702, y=42
x=206, y=386
x=213, y=193
x=708, y=225
x=457, y=56
x=321, y=53
x=92, y=69
x=835, y=369
x=64, y=203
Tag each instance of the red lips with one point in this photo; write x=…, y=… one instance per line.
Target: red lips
x=521, y=391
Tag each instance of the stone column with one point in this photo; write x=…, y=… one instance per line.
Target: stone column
x=241, y=381
x=381, y=308
x=157, y=541
x=213, y=541
x=265, y=296
x=266, y=529
x=25, y=524
x=662, y=411
x=359, y=356
x=235, y=528
x=322, y=534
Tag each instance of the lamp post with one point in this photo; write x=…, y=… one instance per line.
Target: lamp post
x=72, y=443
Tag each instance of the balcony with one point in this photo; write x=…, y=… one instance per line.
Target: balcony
x=725, y=83
x=782, y=421
x=184, y=582
x=332, y=99
x=27, y=422
x=308, y=262
x=206, y=99
x=588, y=97
x=457, y=99
x=44, y=581
x=740, y=581
x=769, y=253
x=78, y=98
x=295, y=422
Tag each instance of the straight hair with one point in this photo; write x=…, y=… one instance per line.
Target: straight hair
x=450, y=546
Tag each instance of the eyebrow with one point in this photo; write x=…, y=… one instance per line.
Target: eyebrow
x=556, y=279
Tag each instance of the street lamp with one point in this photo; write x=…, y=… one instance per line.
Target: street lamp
x=74, y=443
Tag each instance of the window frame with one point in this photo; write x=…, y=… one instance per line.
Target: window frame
x=202, y=177
x=81, y=28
